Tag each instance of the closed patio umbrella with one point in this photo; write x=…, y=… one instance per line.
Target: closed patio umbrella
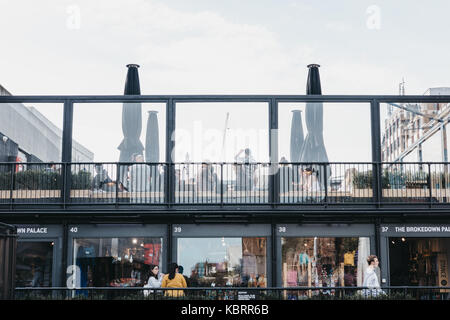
x=297, y=136
x=131, y=120
x=291, y=175
x=313, y=147
x=152, y=148
x=152, y=138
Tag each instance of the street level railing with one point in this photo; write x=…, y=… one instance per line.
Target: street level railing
x=234, y=293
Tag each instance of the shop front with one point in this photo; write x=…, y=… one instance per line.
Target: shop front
x=114, y=255
x=323, y=255
x=38, y=258
x=225, y=255
x=417, y=254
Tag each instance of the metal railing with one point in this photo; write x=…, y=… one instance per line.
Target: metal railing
x=223, y=184
x=230, y=293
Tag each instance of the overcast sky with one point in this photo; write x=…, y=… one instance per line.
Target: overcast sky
x=226, y=47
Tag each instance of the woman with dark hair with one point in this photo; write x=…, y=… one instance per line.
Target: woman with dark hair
x=154, y=279
x=173, y=280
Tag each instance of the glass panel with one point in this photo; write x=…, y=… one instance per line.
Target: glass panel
x=101, y=130
x=324, y=262
x=309, y=139
x=137, y=145
x=343, y=128
x=31, y=133
x=116, y=262
x=211, y=133
x=220, y=262
x=419, y=261
x=404, y=124
x=432, y=148
x=34, y=264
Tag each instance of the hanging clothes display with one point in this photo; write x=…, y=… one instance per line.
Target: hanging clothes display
x=152, y=253
x=349, y=258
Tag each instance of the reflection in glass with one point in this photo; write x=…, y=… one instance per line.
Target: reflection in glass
x=324, y=262
x=116, y=262
x=34, y=264
x=220, y=262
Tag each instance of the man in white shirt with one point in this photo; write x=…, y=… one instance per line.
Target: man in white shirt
x=371, y=278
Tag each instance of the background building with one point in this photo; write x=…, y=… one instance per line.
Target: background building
x=407, y=133
x=28, y=136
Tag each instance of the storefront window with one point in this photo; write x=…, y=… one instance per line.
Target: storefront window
x=324, y=262
x=116, y=262
x=34, y=264
x=220, y=262
x=419, y=261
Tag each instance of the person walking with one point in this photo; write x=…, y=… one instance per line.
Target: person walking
x=371, y=278
x=154, y=280
x=173, y=280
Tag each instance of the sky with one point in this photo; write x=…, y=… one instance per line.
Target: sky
x=223, y=47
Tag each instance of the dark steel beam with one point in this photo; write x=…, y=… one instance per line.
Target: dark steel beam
x=66, y=156
x=375, y=126
x=225, y=98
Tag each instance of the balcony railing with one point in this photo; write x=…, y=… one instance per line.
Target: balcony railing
x=230, y=293
x=279, y=185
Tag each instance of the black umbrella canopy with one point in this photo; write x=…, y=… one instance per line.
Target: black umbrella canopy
x=313, y=82
x=131, y=118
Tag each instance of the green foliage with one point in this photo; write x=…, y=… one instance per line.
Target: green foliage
x=43, y=180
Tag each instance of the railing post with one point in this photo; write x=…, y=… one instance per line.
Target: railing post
x=66, y=155
x=376, y=150
x=430, y=185
x=117, y=183
x=12, y=185
x=221, y=184
x=325, y=183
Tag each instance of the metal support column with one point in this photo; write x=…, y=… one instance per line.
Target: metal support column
x=274, y=255
x=66, y=155
x=274, y=178
x=169, y=244
x=376, y=150
x=170, y=147
x=64, y=245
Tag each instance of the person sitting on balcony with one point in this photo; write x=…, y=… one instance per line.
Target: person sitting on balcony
x=244, y=170
x=101, y=180
x=139, y=179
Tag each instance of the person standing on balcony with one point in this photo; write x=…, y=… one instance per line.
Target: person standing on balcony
x=244, y=170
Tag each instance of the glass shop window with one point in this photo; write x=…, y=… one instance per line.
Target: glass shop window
x=116, y=262
x=34, y=264
x=222, y=262
x=419, y=261
x=324, y=262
